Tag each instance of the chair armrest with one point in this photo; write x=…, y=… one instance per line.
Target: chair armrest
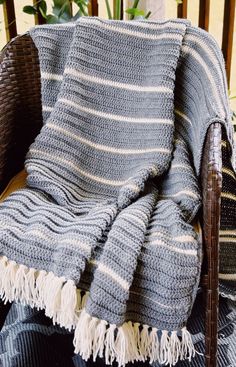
x=20, y=104
x=20, y=111
x=211, y=180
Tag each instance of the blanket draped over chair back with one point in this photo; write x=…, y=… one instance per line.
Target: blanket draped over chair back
x=102, y=237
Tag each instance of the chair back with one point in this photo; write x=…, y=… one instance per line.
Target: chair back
x=20, y=104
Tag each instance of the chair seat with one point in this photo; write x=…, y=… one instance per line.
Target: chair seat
x=16, y=183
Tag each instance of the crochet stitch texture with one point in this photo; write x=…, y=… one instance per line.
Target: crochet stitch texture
x=102, y=236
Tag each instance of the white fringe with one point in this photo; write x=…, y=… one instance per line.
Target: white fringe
x=93, y=337
x=57, y=296
x=127, y=343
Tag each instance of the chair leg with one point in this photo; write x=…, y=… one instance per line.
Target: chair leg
x=211, y=327
x=4, y=309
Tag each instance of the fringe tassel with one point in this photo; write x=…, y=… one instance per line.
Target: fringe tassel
x=93, y=337
x=56, y=295
x=126, y=343
x=99, y=339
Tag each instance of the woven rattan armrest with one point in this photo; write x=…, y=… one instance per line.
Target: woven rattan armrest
x=211, y=179
x=20, y=106
x=20, y=111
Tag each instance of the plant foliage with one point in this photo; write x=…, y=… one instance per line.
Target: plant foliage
x=61, y=10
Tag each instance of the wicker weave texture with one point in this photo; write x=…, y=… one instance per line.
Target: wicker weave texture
x=20, y=116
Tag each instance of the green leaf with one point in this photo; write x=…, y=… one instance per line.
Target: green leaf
x=59, y=3
x=52, y=19
x=28, y=9
x=135, y=12
x=82, y=4
x=135, y=5
x=108, y=9
x=148, y=15
x=43, y=8
x=62, y=10
x=179, y=1
x=2, y=1
x=117, y=9
x=77, y=15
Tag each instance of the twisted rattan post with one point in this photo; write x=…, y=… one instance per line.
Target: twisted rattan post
x=211, y=189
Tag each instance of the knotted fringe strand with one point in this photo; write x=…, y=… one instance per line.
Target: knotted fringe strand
x=57, y=296
x=93, y=337
x=129, y=342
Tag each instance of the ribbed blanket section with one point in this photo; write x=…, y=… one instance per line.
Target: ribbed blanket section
x=53, y=44
x=102, y=236
x=227, y=274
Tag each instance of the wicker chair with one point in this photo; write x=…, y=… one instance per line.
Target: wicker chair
x=20, y=122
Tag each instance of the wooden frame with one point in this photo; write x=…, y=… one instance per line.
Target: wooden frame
x=182, y=9
x=228, y=31
x=204, y=13
x=9, y=19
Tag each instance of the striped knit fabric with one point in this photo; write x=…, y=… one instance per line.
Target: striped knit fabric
x=227, y=274
x=203, y=52
x=102, y=236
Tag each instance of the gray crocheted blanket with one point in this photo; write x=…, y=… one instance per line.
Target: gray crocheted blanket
x=102, y=237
